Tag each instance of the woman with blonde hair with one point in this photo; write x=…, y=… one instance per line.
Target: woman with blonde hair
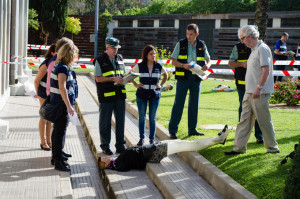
x=62, y=90
x=40, y=87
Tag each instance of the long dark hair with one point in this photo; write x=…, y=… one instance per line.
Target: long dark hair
x=50, y=50
x=145, y=52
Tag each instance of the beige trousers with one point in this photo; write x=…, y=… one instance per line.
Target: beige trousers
x=259, y=109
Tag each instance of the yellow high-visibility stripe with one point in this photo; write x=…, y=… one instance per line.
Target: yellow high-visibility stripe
x=243, y=60
x=182, y=57
x=200, y=58
x=123, y=91
x=109, y=94
x=179, y=73
x=241, y=82
x=119, y=72
x=108, y=73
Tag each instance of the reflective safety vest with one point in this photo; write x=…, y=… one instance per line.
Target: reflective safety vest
x=282, y=49
x=240, y=72
x=107, y=91
x=149, y=92
x=42, y=87
x=181, y=73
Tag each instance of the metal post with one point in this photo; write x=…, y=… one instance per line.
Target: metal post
x=96, y=27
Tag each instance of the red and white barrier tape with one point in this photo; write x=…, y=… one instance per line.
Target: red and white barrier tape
x=37, y=47
x=168, y=61
x=169, y=69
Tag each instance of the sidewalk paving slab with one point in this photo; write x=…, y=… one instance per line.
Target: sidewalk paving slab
x=25, y=169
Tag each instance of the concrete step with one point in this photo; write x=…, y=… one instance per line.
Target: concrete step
x=172, y=176
x=132, y=184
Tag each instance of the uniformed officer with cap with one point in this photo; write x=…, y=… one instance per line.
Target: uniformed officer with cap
x=109, y=69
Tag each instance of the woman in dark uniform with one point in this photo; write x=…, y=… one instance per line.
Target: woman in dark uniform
x=137, y=157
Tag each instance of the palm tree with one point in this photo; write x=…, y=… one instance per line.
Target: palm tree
x=261, y=17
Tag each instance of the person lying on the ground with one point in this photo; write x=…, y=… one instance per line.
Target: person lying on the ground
x=137, y=157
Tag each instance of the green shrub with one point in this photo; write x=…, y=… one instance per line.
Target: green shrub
x=286, y=92
x=33, y=22
x=292, y=183
x=163, y=54
x=73, y=25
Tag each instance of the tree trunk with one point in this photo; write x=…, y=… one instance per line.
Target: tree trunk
x=261, y=17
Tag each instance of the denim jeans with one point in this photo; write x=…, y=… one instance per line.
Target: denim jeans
x=142, y=107
x=106, y=109
x=182, y=87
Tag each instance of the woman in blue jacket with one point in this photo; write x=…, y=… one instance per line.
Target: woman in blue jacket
x=148, y=90
x=62, y=90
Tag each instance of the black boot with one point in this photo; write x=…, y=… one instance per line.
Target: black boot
x=61, y=166
x=66, y=154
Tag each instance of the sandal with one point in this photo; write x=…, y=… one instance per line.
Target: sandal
x=49, y=143
x=47, y=148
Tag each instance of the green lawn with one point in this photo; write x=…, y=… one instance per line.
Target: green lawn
x=257, y=171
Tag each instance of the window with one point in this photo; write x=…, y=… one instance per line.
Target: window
x=146, y=23
x=166, y=23
x=290, y=22
x=270, y=22
x=125, y=23
x=228, y=23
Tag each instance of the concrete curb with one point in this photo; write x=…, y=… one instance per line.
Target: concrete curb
x=220, y=181
x=65, y=185
x=113, y=187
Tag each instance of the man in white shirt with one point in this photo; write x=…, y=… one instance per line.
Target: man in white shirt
x=259, y=85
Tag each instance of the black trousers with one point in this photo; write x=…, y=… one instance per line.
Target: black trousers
x=58, y=135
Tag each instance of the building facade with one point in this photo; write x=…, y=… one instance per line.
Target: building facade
x=13, y=42
x=219, y=31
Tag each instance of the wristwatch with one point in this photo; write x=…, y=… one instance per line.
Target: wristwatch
x=181, y=65
x=259, y=86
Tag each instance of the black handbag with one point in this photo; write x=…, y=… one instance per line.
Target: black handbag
x=51, y=112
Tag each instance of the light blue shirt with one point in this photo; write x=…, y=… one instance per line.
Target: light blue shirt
x=234, y=54
x=98, y=71
x=192, y=53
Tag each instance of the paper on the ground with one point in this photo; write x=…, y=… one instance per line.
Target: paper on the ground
x=128, y=77
x=215, y=126
x=197, y=70
x=74, y=119
x=30, y=90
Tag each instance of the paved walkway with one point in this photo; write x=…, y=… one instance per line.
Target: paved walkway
x=25, y=169
x=171, y=171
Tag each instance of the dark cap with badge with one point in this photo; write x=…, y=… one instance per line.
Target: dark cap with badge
x=113, y=42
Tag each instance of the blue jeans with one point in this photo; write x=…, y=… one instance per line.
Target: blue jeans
x=258, y=133
x=106, y=109
x=181, y=91
x=142, y=106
